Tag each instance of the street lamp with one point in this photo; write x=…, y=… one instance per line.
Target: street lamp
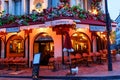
x=108, y=27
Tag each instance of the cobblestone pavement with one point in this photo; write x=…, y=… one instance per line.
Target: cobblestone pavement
x=99, y=70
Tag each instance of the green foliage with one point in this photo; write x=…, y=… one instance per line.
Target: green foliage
x=61, y=11
x=82, y=16
x=0, y=22
x=76, y=9
x=33, y=17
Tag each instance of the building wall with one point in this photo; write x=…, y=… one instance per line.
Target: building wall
x=35, y=31
x=44, y=5
x=56, y=38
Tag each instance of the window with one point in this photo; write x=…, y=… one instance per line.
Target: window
x=17, y=7
x=80, y=42
x=16, y=46
x=27, y=6
x=82, y=3
x=53, y=3
x=6, y=7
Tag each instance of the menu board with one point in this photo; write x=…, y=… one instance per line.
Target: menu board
x=36, y=59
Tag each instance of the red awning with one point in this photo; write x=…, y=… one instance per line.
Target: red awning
x=93, y=22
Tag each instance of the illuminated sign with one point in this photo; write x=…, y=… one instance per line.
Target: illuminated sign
x=15, y=29
x=97, y=28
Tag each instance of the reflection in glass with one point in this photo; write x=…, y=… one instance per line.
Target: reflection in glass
x=16, y=46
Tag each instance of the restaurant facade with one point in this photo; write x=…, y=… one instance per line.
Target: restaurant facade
x=43, y=32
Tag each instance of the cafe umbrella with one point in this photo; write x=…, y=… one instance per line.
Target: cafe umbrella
x=68, y=47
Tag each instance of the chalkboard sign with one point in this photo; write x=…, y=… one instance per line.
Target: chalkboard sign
x=36, y=59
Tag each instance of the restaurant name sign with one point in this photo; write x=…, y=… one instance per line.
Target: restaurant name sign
x=97, y=28
x=60, y=22
x=15, y=29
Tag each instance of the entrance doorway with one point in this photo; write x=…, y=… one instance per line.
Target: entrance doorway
x=44, y=44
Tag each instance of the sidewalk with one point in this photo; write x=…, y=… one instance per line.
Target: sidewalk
x=95, y=70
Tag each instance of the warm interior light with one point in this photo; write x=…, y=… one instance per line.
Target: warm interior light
x=18, y=33
x=94, y=11
x=75, y=34
x=42, y=29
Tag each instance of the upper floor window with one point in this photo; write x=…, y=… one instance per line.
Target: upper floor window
x=53, y=3
x=17, y=7
x=6, y=7
x=27, y=6
x=84, y=4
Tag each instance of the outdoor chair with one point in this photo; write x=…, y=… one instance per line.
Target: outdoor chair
x=23, y=61
x=90, y=57
x=70, y=61
x=51, y=62
x=103, y=56
x=66, y=61
x=58, y=63
x=113, y=52
x=73, y=60
x=1, y=61
x=79, y=58
x=85, y=59
x=105, y=51
x=98, y=57
x=8, y=62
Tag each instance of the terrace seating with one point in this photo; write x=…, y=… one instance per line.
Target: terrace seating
x=78, y=58
x=66, y=61
x=11, y=61
x=85, y=59
x=8, y=60
x=19, y=61
x=91, y=57
x=105, y=51
x=70, y=61
x=58, y=62
x=113, y=52
x=1, y=62
x=51, y=62
x=98, y=56
x=73, y=59
x=103, y=55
